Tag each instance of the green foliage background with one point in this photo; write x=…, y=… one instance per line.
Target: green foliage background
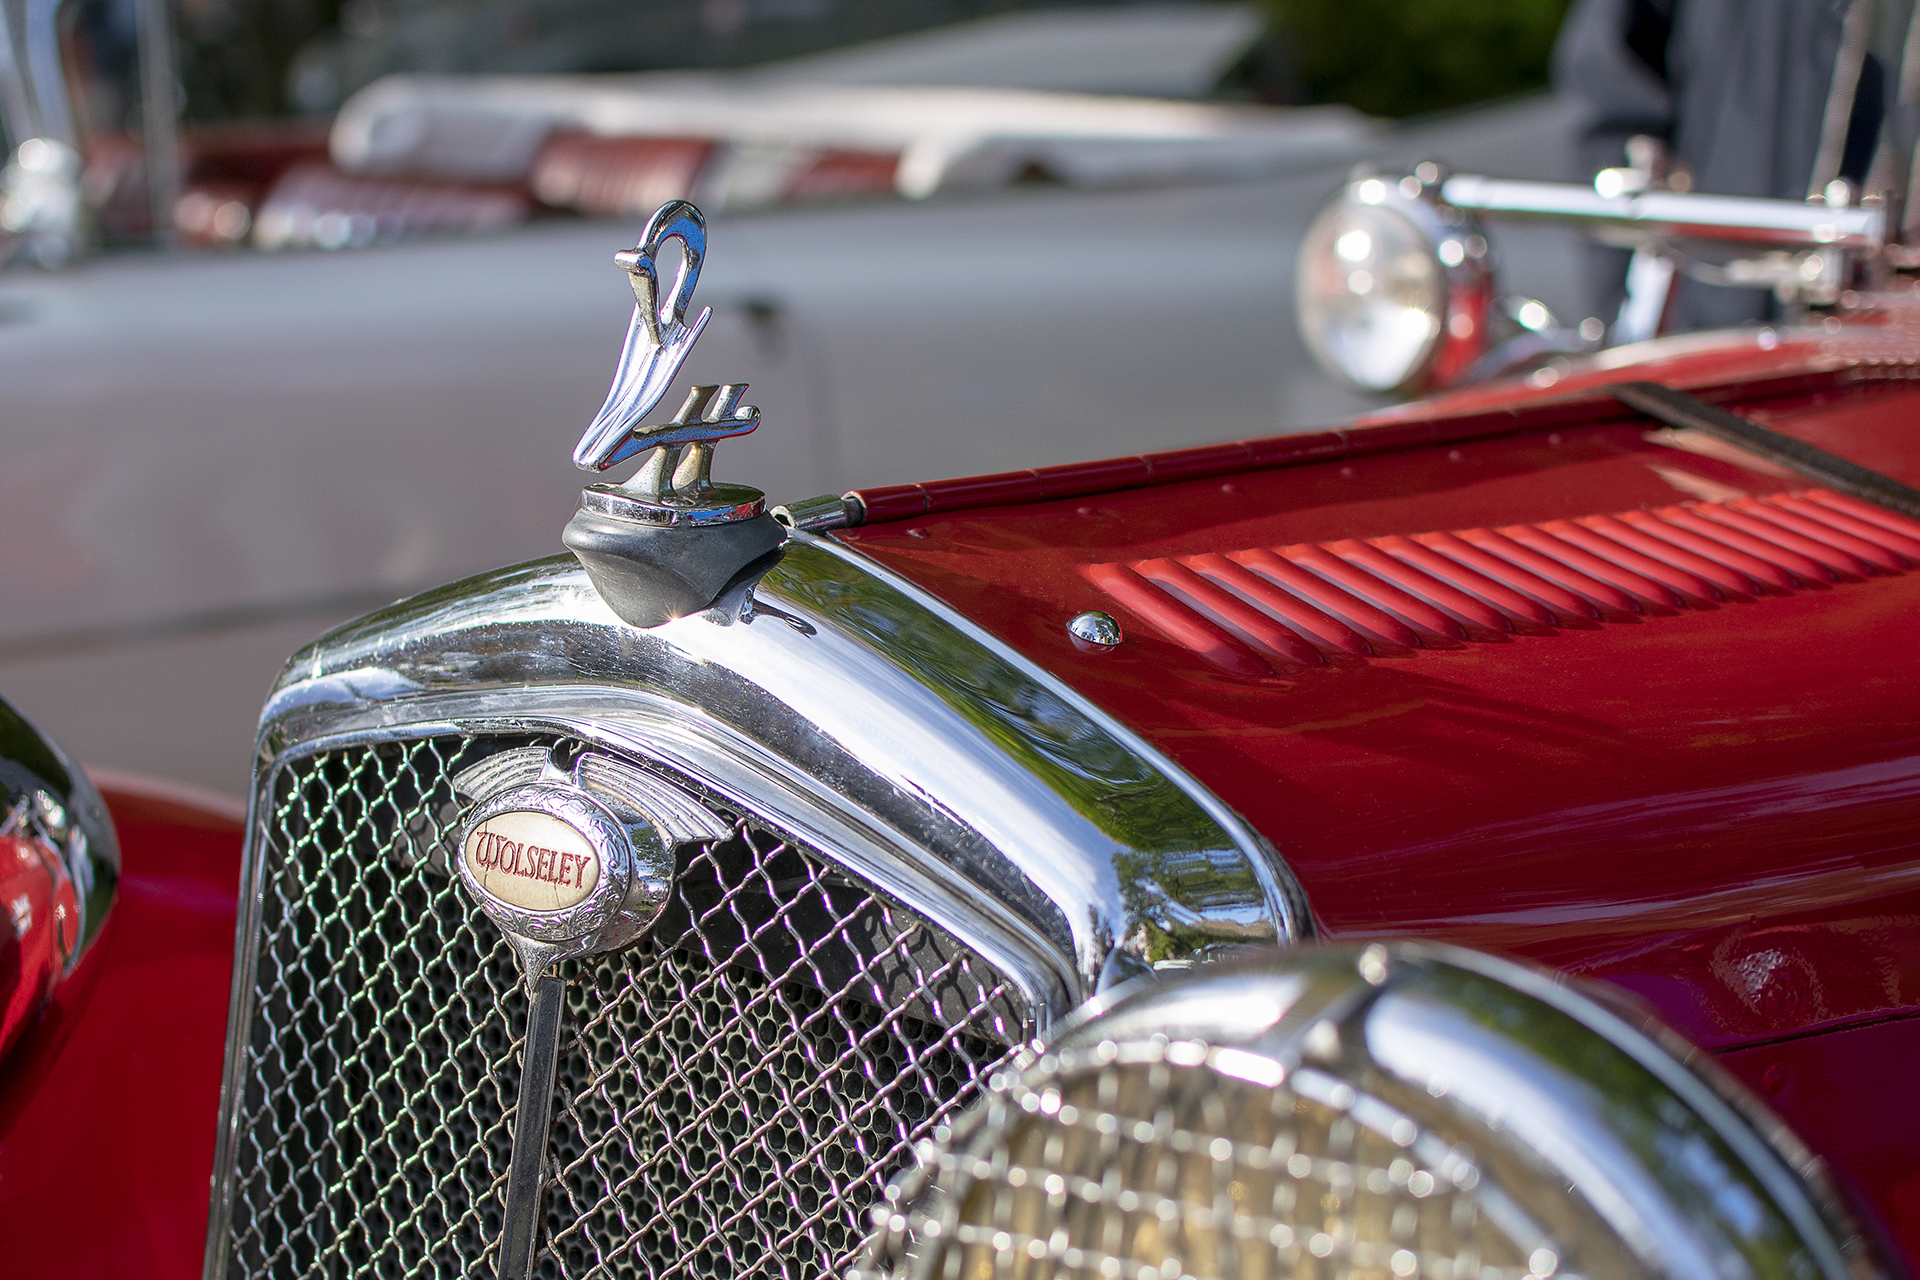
x=1401, y=57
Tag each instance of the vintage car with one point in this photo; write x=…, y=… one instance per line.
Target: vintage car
x=1476, y=841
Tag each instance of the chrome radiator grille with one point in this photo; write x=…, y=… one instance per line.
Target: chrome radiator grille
x=733, y=1092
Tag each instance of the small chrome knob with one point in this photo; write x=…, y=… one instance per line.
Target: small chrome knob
x=1096, y=629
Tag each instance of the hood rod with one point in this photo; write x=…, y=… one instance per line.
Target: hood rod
x=1678, y=409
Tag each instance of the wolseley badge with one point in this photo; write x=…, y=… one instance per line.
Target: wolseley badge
x=553, y=866
x=532, y=860
x=570, y=851
x=560, y=870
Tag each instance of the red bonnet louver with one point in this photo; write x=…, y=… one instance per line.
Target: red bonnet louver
x=1265, y=611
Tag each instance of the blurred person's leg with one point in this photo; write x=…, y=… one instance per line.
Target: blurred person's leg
x=1754, y=97
x=1611, y=59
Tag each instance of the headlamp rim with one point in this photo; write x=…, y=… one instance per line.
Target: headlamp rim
x=1462, y=334
x=1343, y=982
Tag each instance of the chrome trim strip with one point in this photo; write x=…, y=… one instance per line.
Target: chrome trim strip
x=1679, y=410
x=246, y=945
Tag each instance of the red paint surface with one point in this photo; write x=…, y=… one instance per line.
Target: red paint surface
x=1817, y=1085
x=107, y=1104
x=1717, y=806
x=1394, y=594
x=1710, y=797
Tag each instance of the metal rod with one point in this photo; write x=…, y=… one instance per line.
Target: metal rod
x=1674, y=214
x=1678, y=409
x=1855, y=34
x=45, y=71
x=18, y=115
x=526, y=1172
x=159, y=114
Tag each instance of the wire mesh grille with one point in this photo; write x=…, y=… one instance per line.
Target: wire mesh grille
x=733, y=1092
x=1147, y=1162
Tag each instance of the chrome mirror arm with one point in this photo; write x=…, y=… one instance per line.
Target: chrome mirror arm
x=1800, y=250
x=1634, y=218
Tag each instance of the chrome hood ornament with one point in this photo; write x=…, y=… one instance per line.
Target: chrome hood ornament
x=667, y=542
x=658, y=343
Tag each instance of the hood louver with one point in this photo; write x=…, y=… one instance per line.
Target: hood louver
x=1269, y=611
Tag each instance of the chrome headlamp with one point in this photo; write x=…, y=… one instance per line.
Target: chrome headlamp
x=1393, y=290
x=1413, y=1111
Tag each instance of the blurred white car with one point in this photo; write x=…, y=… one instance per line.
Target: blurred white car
x=209, y=456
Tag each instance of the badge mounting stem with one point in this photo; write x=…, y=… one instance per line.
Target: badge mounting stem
x=526, y=1171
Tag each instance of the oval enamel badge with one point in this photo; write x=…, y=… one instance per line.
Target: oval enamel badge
x=531, y=860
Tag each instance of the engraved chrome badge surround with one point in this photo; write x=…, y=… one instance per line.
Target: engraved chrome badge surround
x=483, y=850
x=630, y=846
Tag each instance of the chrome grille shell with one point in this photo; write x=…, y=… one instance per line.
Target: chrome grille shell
x=834, y=710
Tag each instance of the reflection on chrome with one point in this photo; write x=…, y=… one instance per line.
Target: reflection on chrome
x=59, y=866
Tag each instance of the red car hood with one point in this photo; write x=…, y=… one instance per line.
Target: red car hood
x=1695, y=772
